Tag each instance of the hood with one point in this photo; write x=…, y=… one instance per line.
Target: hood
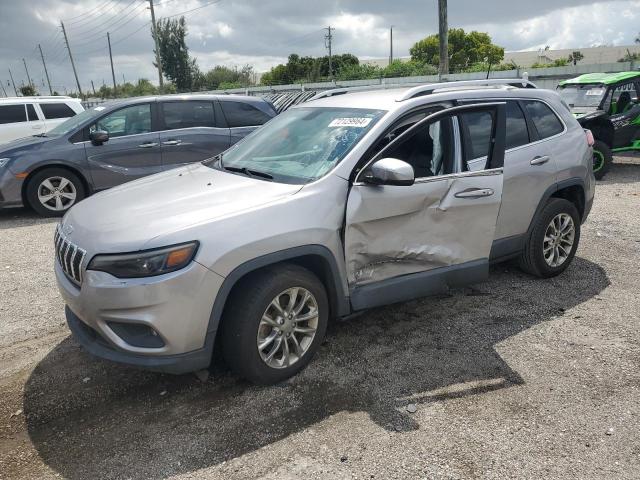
x=586, y=113
x=20, y=143
x=128, y=217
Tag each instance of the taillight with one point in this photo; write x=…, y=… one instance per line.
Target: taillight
x=590, y=139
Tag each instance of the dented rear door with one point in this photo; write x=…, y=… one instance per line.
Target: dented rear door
x=442, y=222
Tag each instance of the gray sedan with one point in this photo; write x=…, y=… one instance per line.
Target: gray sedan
x=111, y=144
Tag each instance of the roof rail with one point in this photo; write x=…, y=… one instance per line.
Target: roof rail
x=38, y=97
x=363, y=88
x=430, y=88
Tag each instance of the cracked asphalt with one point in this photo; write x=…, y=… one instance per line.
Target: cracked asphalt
x=514, y=378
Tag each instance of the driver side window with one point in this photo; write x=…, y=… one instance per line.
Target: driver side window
x=131, y=120
x=623, y=98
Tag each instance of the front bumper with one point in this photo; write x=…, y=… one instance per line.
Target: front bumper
x=175, y=307
x=10, y=189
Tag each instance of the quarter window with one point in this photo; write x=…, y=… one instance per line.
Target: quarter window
x=545, y=121
x=188, y=114
x=126, y=121
x=240, y=114
x=12, y=114
x=56, y=110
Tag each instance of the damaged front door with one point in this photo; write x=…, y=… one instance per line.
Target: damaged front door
x=409, y=235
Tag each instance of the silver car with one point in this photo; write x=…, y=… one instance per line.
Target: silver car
x=347, y=202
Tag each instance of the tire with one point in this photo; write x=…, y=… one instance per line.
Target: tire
x=244, y=326
x=532, y=259
x=602, y=159
x=60, y=200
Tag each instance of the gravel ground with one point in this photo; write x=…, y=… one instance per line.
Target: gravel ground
x=514, y=378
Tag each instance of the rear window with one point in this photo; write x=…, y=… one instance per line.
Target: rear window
x=478, y=126
x=56, y=110
x=188, y=114
x=12, y=114
x=546, y=122
x=239, y=114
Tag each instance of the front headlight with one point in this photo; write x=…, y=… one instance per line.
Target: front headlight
x=146, y=263
x=4, y=161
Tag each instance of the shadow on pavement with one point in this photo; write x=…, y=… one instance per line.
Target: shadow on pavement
x=88, y=418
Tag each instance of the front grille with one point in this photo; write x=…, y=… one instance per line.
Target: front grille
x=69, y=256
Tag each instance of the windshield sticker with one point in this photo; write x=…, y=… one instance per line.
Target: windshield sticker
x=595, y=91
x=99, y=109
x=358, y=122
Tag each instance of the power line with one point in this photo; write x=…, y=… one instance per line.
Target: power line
x=71, y=19
x=192, y=10
x=108, y=24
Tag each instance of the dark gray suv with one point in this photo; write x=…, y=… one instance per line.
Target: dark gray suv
x=112, y=144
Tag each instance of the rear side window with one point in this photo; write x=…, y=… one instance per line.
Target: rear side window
x=478, y=127
x=239, y=114
x=56, y=110
x=31, y=112
x=188, y=114
x=12, y=114
x=517, y=133
x=546, y=122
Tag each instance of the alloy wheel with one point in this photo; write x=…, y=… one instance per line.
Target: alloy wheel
x=57, y=193
x=288, y=327
x=558, y=240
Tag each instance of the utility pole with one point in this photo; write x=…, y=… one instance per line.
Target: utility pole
x=45, y=70
x=13, y=83
x=113, y=75
x=327, y=43
x=444, y=37
x=154, y=31
x=27, y=70
x=93, y=88
x=3, y=90
x=391, y=45
x=73, y=65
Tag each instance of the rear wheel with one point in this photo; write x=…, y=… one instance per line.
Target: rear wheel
x=275, y=322
x=553, y=241
x=602, y=159
x=53, y=191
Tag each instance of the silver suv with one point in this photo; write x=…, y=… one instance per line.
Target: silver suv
x=347, y=202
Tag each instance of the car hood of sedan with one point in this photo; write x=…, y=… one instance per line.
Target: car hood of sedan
x=128, y=217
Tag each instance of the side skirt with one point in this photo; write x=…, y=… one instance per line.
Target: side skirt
x=415, y=285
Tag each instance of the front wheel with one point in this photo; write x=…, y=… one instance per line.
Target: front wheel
x=602, y=159
x=53, y=191
x=275, y=322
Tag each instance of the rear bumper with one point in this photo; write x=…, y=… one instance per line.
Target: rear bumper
x=96, y=345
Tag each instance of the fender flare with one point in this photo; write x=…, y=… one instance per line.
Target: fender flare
x=556, y=187
x=337, y=295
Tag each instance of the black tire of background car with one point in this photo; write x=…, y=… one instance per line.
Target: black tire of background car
x=532, y=259
x=602, y=159
x=34, y=181
x=244, y=310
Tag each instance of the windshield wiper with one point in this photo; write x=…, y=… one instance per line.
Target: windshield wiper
x=248, y=172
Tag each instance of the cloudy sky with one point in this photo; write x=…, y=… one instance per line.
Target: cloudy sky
x=262, y=33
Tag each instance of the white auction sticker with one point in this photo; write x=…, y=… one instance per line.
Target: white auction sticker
x=99, y=109
x=595, y=92
x=358, y=122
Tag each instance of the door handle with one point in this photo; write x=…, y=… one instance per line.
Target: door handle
x=148, y=145
x=539, y=160
x=474, y=193
x=172, y=142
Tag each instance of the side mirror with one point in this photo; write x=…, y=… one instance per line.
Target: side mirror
x=98, y=137
x=389, y=171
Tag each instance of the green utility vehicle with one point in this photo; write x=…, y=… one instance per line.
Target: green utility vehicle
x=608, y=105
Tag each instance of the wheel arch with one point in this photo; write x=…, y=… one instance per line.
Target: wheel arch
x=572, y=189
x=64, y=166
x=316, y=258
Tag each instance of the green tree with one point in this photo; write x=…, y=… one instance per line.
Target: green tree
x=177, y=65
x=28, y=90
x=465, y=49
x=575, y=57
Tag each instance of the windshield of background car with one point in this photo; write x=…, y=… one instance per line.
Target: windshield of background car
x=583, y=95
x=73, y=123
x=301, y=144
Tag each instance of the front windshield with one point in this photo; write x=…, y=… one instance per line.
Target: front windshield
x=72, y=124
x=583, y=95
x=301, y=144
